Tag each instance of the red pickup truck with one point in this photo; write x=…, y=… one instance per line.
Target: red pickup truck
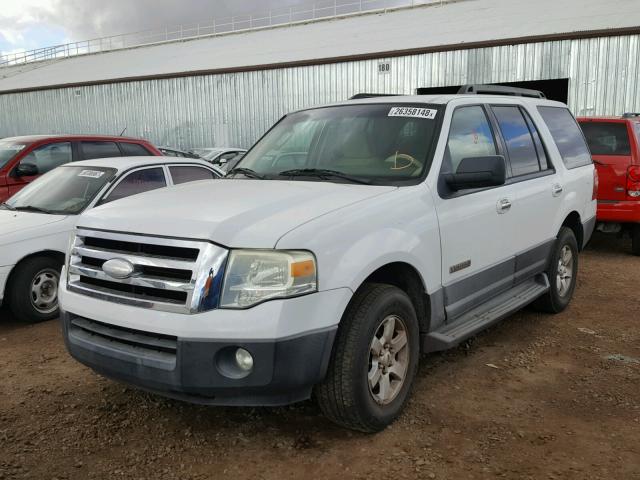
x=615, y=147
x=23, y=159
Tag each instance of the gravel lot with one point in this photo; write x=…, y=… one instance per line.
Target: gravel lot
x=538, y=396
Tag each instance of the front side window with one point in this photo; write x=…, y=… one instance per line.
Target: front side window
x=91, y=150
x=136, y=182
x=8, y=150
x=605, y=138
x=470, y=136
x=515, y=131
x=67, y=190
x=184, y=174
x=567, y=135
x=48, y=157
x=377, y=143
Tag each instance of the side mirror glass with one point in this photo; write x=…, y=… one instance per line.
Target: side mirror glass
x=27, y=170
x=478, y=172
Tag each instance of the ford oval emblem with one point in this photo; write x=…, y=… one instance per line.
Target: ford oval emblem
x=118, y=268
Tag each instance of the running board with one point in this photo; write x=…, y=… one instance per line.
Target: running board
x=485, y=315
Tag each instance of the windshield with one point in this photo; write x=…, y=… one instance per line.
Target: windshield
x=8, y=150
x=380, y=143
x=65, y=190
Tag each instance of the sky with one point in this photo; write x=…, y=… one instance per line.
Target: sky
x=29, y=24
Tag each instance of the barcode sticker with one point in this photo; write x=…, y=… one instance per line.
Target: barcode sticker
x=91, y=173
x=413, y=112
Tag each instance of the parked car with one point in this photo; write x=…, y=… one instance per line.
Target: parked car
x=219, y=156
x=353, y=238
x=174, y=152
x=35, y=223
x=23, y=159
x=615, y=146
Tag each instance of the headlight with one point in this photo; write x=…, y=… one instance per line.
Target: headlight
x=253, y=276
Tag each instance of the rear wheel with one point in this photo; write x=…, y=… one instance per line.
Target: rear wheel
x=635, y=240
x=562, y=273
x=33, y=292
x=374, y=361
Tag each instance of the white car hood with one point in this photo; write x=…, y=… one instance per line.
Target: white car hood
x=15, y=225
x=235, y=213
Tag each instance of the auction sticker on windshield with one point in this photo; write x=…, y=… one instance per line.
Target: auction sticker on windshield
x=91, y=173
x=413, y=112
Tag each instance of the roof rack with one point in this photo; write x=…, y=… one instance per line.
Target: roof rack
x=500, y=90
x=359, y=96
x=630, y=115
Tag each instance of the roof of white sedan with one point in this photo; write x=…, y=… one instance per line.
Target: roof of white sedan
x=127, y=163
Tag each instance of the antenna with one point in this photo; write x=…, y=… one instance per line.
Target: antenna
x=122, y=132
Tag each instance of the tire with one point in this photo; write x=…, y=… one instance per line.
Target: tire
x=345, y=396
x=635, y=240
x=559, y=295
x=33, y=290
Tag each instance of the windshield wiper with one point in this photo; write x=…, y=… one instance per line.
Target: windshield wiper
x=322, y=173
x=7, y=206
x=31, y=208
x=247, y=172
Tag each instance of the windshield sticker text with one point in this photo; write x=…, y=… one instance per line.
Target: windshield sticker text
x=91, y=173
x=413, y=112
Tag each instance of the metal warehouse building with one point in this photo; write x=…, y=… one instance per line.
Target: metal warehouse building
x=228, y=88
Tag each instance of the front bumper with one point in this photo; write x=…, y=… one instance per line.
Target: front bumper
x=4, y=275
x=197, y=370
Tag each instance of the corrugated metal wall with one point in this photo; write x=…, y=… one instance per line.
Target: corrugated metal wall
x=235, y=109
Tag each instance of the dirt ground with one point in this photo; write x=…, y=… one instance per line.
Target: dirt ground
x=536, y=397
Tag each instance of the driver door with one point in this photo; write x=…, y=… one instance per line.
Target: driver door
x=45, y=158
x=477, y=262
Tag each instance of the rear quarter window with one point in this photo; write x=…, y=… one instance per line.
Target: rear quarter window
x=607, y=138
x=567, y=135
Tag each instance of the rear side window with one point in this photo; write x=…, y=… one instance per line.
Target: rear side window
x=92, y=150
x=190, y=174
x=138, y=182
x=523, y=155
x=607, y=138
x=134, y=150
x=567, y=135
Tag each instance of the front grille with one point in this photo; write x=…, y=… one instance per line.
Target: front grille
x=168, y=274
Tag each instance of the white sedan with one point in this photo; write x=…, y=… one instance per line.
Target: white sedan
x=35, y=223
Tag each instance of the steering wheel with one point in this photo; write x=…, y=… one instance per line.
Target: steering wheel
x=402, y=161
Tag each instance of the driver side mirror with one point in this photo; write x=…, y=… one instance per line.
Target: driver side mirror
x=222, y=161
x=478, y=172
x=27, y=170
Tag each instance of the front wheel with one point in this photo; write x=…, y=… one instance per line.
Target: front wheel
x=33, y=292
x=562, y=273
x=374, y=361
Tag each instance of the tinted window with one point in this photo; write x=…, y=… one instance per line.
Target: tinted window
x=567, y=135
x=470, y=136
x=134, y=150
x=99, y=150
x=190, y=174
x=520, y=146
x=138, y=182
x=50, y=156
x=607, y=138
x=540, y=150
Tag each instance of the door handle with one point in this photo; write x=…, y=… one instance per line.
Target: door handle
x=557, y=190
x=504, y=205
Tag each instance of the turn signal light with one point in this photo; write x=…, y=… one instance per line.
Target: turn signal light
x=633, y=181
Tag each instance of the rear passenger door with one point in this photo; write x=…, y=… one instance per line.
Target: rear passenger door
x=89, y=150
x=189, y=173
x=537, y=192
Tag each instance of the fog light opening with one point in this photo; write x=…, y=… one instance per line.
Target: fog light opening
x=244, y=360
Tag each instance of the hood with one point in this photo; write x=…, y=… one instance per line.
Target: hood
x=16, y=223
x=235, y=213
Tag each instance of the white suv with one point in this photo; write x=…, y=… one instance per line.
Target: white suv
x=351, y=239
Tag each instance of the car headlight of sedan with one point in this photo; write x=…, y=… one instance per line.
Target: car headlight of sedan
x=254, y=276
